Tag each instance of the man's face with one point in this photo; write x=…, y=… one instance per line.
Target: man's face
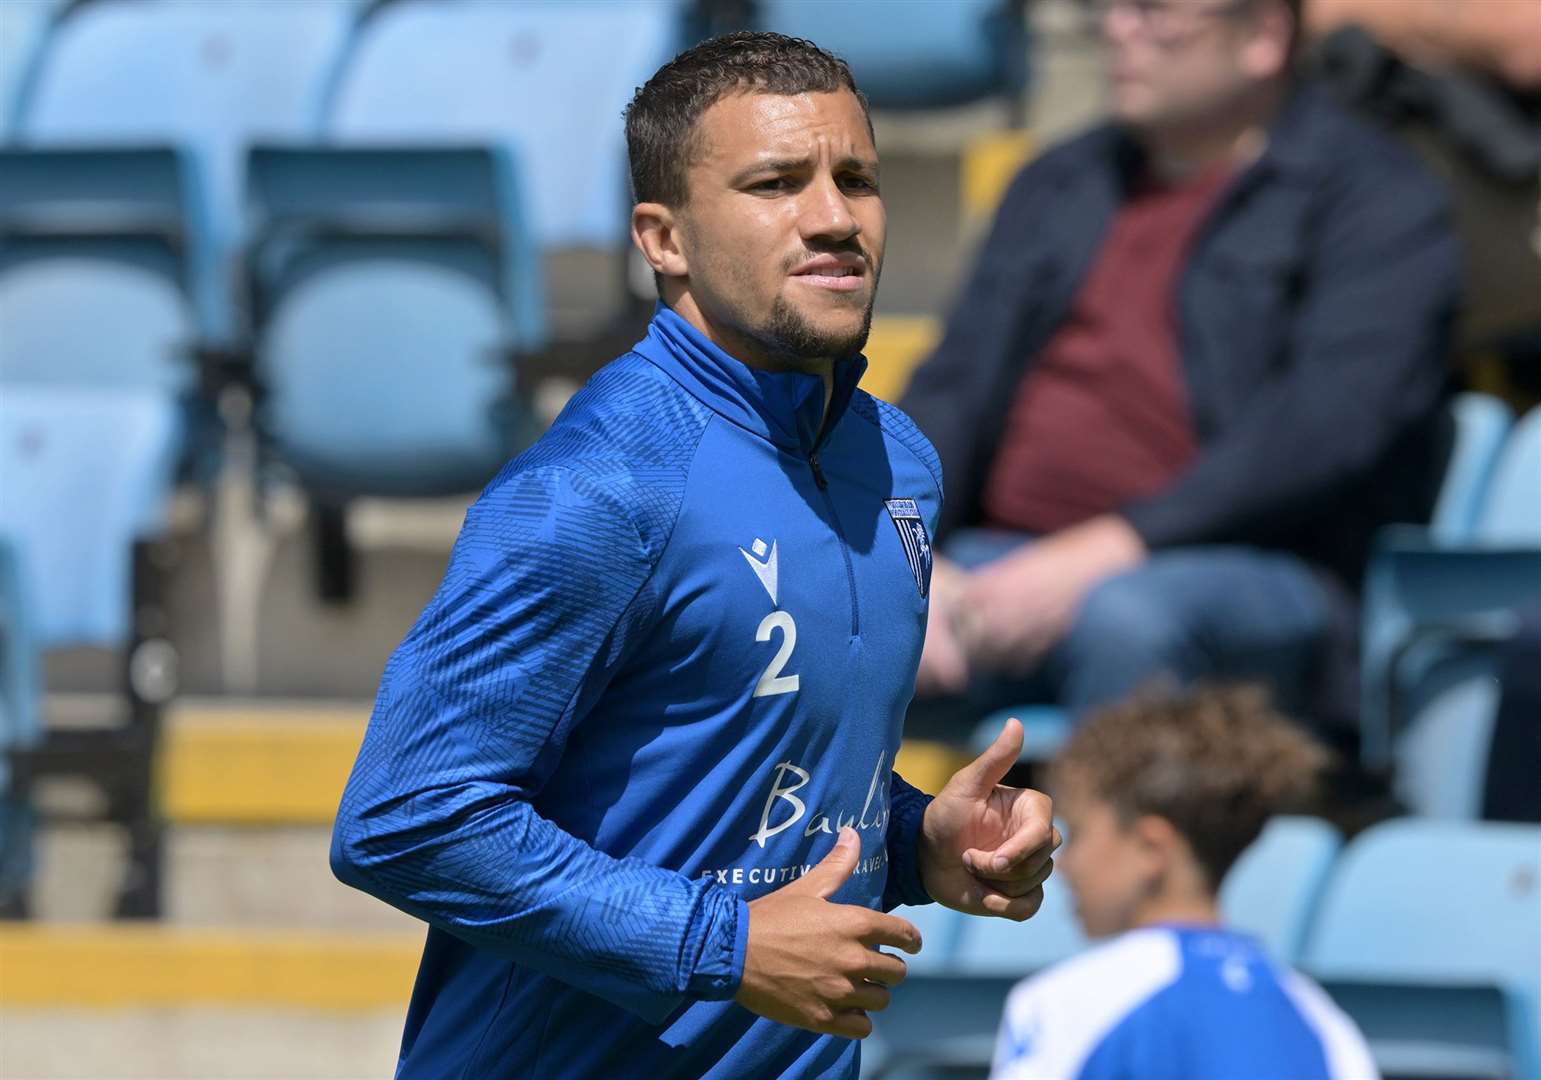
x=782, y=231
x=1179, y=62
x=1102, y=861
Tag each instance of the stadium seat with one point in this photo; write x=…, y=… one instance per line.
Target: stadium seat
x=87, y=477
x=914, y=56
x=19, y=727
x=206, y=78
x=1425, y=598
x=1272, y=891
x=939, y=929
x=521, y=77
x=1429, y=934
x=24, y=31
x=93, y=289
x=943, y=1020
x=1482, y=423
x=1002, y=947
x=1511, y=510
x=1044, y=728
x=1442, y=755
x=393, y=293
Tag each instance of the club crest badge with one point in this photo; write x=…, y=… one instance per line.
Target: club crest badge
x=913, y=538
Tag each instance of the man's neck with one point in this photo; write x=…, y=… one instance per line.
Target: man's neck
x=1191, y=909
x=746, y=350
x=1179, y=151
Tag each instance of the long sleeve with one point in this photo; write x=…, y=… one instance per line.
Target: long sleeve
x=543, y=595
x=906, y=810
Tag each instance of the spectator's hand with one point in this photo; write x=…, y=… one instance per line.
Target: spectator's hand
x=943, y=663
x=987, y=849
x=1014, y=610
x=816, y=965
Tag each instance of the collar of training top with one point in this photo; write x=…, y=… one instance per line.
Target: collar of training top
x=782, y=407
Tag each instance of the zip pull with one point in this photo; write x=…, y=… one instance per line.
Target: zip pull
x=818, y=471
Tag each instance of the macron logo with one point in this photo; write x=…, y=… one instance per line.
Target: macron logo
x=763, y=563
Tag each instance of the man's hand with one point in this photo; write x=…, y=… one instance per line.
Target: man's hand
x=1015, y=609
x=815, y=965
x=943, y=664
x=986, y=849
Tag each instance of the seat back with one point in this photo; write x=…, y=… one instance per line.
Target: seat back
x=24, y=32
x=1477, y=919
x=1272, y=891
x=1453, y=905
x=92, y=284
x=1511, y=510
x=390, y=295
x=404, y=202
x=83, y=473
x=1441, y=758
x=19, y=669
x=522, y=76
x=939, y=929
x=210, y=78
x=914, y=56
x=1482, y=422
x=1002, y=947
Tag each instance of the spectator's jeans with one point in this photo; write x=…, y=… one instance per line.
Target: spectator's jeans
x=1231, y=613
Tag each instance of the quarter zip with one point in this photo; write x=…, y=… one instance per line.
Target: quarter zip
x=822, y=483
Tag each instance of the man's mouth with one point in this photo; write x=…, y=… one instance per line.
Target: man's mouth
x=840, y=274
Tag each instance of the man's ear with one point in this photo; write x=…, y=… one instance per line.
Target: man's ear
x=1266, y=52
x=656, y=231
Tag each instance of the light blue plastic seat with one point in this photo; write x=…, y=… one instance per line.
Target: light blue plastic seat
x=547, y=80
x=84, y=475
x=1441, y=757
x=1426, y=596
x=1003, y=947
x=208, y=78
x=93, y=288
x=943, y=1020
x=1511, y=510
x=1482, y=423
x=1273, y=889
x=396, y=291
x=1044, y=729
x=913, y=55
x=24, y=31
x=939, y=930
x=1429, y=933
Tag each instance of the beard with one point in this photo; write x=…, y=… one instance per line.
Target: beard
x=789, y=335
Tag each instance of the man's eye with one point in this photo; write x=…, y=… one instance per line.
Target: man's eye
x=860, y=183
x=779, y=183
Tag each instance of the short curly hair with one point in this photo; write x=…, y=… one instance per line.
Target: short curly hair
x=1215, y=761
x=661, y=135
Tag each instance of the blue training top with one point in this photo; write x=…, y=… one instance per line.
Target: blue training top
x=670, y=657
x=1176, y=1003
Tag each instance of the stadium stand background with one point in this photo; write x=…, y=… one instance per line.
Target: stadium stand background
x=210, y=539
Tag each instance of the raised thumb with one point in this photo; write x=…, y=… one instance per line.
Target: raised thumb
x=835, y=869
x=981, y=775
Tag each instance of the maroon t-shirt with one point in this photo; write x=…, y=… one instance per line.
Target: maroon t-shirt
x=1101, y=419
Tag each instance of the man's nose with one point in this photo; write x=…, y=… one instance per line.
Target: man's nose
x=827, y=212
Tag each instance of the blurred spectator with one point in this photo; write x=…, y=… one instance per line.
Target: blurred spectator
x=1159, y=797
x=1501, y=37
x=1461, y=81
x=1199, y=361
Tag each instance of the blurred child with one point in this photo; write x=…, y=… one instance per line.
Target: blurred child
x=1159, y=796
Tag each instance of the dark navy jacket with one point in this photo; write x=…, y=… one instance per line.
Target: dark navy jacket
x=1314, y=317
